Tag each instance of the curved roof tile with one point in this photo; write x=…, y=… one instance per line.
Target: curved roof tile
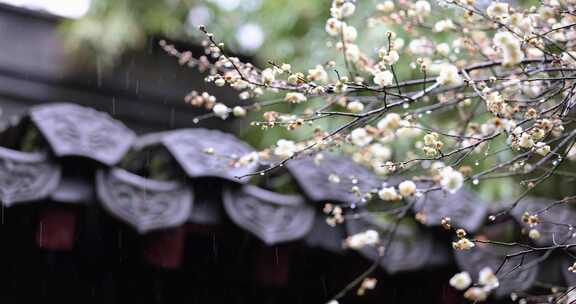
x=272, y=217
x=210, y=153
x=26, y=176
x=73, y=130
x=143, y=203
x=464, y=209
x=314, y=179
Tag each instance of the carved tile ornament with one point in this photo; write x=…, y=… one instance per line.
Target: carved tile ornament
x=211, y=153
x=73, y=130
x=143, y=203
x=410, y=250
x=464, y=209
x=272, y=217
x=548, y=221
x=26, y=177
x=73, y=190
x=510, y=279
x=332, y=179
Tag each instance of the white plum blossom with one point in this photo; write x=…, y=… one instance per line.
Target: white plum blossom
x=386, y=7
x=221, y=110
x=443, y=49
x=347, y=9
x=511, y=48
x=407, y=129
x=362, y=239
x=355, y=107
x=488, y=279
x=463, y=244
x=380, y=151
x=542, y=148
x=449, y=75
x=420, y=46
x=534, y=234
x=407, y=188
x=389, y=58
x=461, y=280
x=388, y=194
x=444, y=25
x=352, y=52
x=422, y=8
x=497, y=10
x=526, y=141
x=268, y=75
x=285, y=148
x=350, y=33
x=360, y=137
x=390, y=121
x=383, y=78
x=476, y=294
x=333, y=26
x=295, y=97
x=239, y=111
x=318, y=74
x=452, y=180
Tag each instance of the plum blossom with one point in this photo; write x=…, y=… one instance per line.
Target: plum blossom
x=452, y=180
x=461, y=280
x=449, y=75
x=355, y=107
x=285, y=148
x=383, y=78
x=362, y=239
x=422, y=8
x=268, y=75
x=407, y=188
x=333, y=26
x=295, y=97
x=390, y=121
x=497, y=10
x=221, y=110
x=318, y=74
x=510, y=47
x=476, y=294
x=360, y=137
x=389, y=194
x=488, y=279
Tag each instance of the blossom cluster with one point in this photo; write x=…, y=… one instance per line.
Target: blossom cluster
x=439, y=102
x=487, y=281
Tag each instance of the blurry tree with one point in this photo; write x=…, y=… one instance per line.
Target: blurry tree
x=267, y=29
